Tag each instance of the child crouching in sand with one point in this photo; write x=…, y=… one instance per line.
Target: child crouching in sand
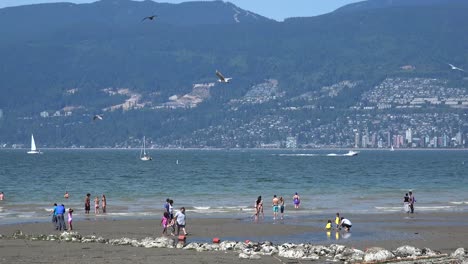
x=165, y=222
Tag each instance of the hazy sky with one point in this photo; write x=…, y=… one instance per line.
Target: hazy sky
x=276, y=9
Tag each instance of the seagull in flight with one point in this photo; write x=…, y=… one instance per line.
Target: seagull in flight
x=149, y=17
x=455, y=68
x=97, y=117
x=221, y=77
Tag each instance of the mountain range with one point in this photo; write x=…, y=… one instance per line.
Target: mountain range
x=63, y=63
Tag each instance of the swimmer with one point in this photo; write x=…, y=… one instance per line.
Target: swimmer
x=66, y=195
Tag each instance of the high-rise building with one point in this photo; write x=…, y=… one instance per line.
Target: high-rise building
x=365, y=141
x=409, y=136
x=291, y=142
x=458, y=138
x=356, y=139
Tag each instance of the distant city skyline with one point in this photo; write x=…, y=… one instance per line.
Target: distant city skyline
x=275, y=9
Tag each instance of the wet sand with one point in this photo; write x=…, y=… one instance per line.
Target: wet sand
x=444, y=232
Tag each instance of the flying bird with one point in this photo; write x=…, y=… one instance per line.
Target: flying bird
x=455, y=68
x=221, y=78
x=97, y=117
x=149, y=17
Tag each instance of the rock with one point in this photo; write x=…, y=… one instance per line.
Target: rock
x=294, y=253
x=377, y=254
x=18, y=234
x=336, y=249
x=459, y=253
x=52, y=237
x=179, y=245
x=407, y=251
x=269, y=250
x=240, y=246
x=39, y=238
x=160, y=242
x=429, y=252
x=320, y=250
x=350, y=254
x=311, y=256
x=227, y=245
x=192, y=246
x=70, y=236
x=244, y=256
x=119, y=242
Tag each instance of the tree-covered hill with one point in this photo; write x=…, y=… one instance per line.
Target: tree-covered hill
x=55, y=56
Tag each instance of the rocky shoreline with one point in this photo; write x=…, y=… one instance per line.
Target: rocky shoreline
x=256, y=250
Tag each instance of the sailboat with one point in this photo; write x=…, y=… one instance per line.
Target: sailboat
x=143, y=155
x=33, y=147
x=392, y=149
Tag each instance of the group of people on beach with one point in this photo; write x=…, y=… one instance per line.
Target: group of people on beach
x=408, y=202
x=58, y=218
x=96, y=204
x=169, y=220
x=340, y=222
x=278, y=204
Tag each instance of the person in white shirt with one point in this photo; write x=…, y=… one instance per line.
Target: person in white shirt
x=346, y=224
x=180, y=220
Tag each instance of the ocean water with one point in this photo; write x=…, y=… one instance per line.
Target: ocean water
x=224, y=183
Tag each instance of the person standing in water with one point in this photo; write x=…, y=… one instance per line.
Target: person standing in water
x=104, y=203
x=259, y=207
x=96, y=205
x=281, y=203
x=412, y=200
x=406, y=203
x=275, y=206
x=87, y=204
x=296, y=200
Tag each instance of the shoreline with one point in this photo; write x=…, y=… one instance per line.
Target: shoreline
x=437, y=235
x=253, y=149
x=438, y=231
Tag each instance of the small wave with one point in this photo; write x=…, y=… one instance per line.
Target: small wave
x=459, y=203
x=389, y=208
x=201, y=207
x=432, y=208
x=299, y=155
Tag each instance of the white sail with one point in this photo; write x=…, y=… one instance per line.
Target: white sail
x=143, y=155
x=33, y=146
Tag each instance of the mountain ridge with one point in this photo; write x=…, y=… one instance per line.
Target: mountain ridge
x=158, y=78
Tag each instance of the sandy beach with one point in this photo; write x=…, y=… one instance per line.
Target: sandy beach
x=443, y=232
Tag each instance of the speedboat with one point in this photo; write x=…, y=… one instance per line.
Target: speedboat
x=351, y=153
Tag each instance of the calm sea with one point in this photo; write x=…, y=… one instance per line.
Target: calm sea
x=226, y=183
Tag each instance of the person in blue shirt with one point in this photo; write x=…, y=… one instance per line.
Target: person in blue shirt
x=54, y=216
x=60, y=218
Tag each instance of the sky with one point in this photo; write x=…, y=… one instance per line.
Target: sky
x=276, y=9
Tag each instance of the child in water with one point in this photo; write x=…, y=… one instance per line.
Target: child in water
x=165, y=223
x=70, y=219
x=338, y=221
x=329, y=225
